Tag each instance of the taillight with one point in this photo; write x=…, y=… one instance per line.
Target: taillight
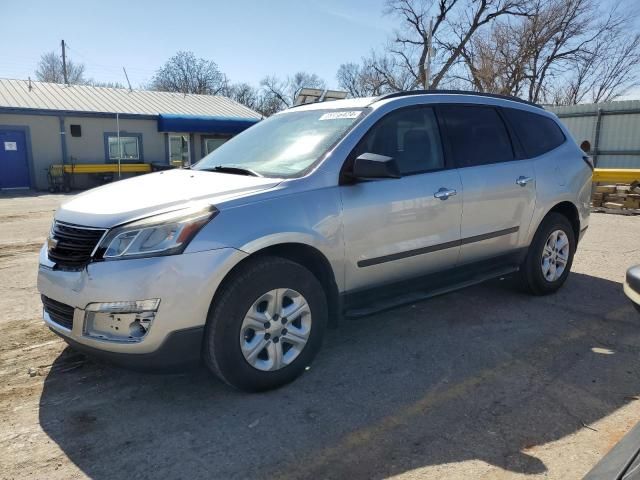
x=589, y=161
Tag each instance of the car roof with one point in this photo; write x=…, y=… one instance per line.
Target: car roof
x=475, y=97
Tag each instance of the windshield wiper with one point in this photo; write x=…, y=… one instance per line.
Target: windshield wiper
x=232, y=170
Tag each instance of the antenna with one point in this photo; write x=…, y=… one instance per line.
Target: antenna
x=127, y=77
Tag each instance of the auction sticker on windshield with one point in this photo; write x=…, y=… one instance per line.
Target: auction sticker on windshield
x=339, y=115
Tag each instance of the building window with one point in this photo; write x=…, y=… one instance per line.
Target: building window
x=179, y=150
x=127, y=148
x=209, y=144
x=76, y=130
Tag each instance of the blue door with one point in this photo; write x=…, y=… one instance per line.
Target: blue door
x=14, y=167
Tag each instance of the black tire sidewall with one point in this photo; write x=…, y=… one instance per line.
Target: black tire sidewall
x=226, y=316
x=533, y=272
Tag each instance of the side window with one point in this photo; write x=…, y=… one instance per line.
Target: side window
x=410, y=136
x=477, y=135
x=537, y=134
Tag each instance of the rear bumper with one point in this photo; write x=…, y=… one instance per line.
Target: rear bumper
x=632, y=284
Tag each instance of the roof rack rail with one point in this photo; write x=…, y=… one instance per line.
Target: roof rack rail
x=455, y=92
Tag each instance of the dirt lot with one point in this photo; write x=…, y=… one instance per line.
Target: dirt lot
x=482, y=383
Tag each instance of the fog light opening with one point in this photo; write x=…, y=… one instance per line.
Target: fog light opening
x=120, y=321
x=138, y=328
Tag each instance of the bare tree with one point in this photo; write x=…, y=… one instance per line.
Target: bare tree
x=49, y=69
x=370, y=78
x=244, y=94
x=279, y=94
x=452, y=24
x=350, y=79
x=185, y=73
x=607, y=70
x=99, y=83
x=563, y=51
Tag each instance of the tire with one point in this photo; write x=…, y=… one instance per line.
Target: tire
x=637, y=307
x=533, y=277
x=223, y=345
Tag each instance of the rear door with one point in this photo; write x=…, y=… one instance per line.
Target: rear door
x=499, y=189
x=396, y=229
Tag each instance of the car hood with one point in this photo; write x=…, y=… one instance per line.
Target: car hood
x=138, y=197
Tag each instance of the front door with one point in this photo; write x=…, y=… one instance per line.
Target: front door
x=499, y=190
x=14, y=166
x=179, y=149
x=397, y=229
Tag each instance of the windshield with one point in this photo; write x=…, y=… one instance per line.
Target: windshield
x=284, y=145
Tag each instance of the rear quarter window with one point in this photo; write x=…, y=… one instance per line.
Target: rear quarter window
x=537, y=134
x=476, y=134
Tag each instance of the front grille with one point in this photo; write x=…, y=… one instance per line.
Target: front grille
x=58, y=312
x=74, y=244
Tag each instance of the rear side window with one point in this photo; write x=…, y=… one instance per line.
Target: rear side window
x=410, y=136
x=477, y=135
x=537, y=134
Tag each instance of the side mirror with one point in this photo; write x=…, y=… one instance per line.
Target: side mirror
x=371, y=165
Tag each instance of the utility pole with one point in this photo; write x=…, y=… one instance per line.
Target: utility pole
x=427, y=80
x=127, y=77
x=64, y=62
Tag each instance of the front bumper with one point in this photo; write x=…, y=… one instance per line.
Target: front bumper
x=632, y=284
x=185, y=285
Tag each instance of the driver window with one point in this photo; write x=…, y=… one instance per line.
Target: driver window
x=410, y=136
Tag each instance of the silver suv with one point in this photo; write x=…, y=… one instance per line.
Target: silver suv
x=324, y=210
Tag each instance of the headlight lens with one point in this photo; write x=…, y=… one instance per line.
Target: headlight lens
x=164, y=234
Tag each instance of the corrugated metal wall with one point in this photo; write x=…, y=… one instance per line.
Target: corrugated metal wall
x=618, y=124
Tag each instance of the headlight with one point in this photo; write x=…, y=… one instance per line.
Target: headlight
x=164, y=234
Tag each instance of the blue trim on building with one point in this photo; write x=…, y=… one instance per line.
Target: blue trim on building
x=27, y=139
x=193, y=123
x=123, y=133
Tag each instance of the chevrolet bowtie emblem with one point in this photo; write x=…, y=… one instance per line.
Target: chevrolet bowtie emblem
x=51, y=243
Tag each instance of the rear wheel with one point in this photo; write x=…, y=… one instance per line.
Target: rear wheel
x=266, y=324
x=550, y=256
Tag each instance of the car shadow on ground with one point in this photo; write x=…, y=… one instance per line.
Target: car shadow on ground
x=485, y=373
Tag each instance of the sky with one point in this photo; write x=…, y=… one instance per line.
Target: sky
x=247, y=39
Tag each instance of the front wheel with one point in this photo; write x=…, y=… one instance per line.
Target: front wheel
x=266, y=324
x=550, y=256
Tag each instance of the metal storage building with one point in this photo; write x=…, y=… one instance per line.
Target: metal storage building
x=46, y=123
x=612, y=129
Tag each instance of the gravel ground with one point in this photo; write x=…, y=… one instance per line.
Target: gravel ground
x=481, y=383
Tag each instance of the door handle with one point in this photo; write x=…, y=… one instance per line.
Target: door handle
x=522, y=180
x=444, y=193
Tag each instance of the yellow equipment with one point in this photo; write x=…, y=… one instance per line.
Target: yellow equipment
x=616, y=175
x=60, y=176
x=101, y=168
